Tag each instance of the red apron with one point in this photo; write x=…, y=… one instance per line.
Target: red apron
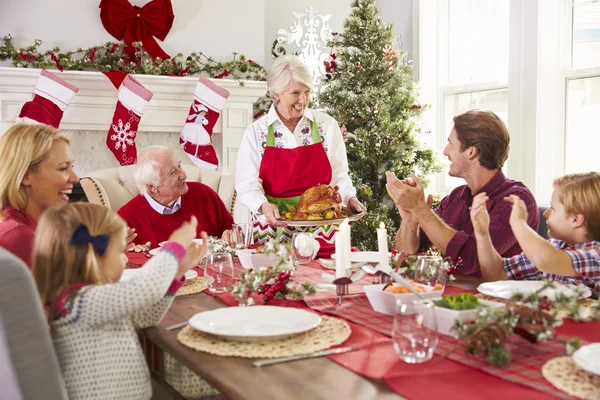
x=286, y=174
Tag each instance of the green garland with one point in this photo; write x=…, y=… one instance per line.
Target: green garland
x=110, y=57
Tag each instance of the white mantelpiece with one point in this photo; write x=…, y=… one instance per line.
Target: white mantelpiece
x=93, y=106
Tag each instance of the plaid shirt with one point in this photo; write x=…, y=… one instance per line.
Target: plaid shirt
x=584, y=256
x=455, y=208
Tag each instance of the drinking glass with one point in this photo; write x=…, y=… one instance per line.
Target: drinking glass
x=241, y=236
x=429, y=271
x=414, y=333
x=304, y=246
x=219, y=266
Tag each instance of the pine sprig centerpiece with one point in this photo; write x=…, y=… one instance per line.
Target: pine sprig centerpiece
x=370, y=91
x=272, y=282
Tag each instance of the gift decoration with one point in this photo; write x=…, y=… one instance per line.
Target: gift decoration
x=138, y=24
x=196, y=134
x=390, y=56
x=272, y=282
x=51, y=99
x=132, y=101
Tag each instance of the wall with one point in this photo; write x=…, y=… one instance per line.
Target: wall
x=198, y=26
x=400, y=13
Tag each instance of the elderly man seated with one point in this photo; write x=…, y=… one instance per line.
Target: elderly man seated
x=166, y=200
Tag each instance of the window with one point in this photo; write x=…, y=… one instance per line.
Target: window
x=461, y=68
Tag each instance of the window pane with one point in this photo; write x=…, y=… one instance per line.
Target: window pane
x=583, y=129
x=454, y=104
x=477, y=41
x=586, y=34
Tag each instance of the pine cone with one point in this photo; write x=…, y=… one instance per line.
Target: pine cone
x=480, y=342
x=531, y=316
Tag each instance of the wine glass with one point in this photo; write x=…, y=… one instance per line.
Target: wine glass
x=241, y=235
x=429, y=271
x=304, y=246
x=219, y=267
x=414, y=333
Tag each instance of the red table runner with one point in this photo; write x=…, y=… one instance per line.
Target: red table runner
x=459, y=376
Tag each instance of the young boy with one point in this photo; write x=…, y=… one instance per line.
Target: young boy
x=572, y=255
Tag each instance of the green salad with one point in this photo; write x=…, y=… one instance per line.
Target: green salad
x=462, y=301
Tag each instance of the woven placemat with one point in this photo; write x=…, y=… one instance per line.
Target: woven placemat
x=195, y=285
x=563, y=373
x=329, y=333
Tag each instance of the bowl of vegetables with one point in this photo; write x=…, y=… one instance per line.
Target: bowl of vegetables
x=454, y=307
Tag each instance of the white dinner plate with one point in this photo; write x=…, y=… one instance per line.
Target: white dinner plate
x=505, y=289
x=256, y=323
x=588, y=357
x=362, y=256
x=131, y=272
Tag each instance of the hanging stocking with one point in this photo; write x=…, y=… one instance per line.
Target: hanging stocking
x=52, y=97
x=196, y=134
x=120, y=139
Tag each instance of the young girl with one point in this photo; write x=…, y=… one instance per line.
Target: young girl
x=572, y=255
x=78, y=261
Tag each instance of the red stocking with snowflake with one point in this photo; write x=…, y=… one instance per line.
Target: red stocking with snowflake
x=196, y=134
x=52, y=97
x=133, y=98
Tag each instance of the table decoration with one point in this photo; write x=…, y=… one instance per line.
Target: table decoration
x=406, y=263
x=331, y=332
x=564, y=374
x=272, y=282
x=193, y=286
x=382, y=246
x=342, y=249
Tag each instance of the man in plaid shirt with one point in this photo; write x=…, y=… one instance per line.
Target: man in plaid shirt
x=477, y=148
x=572, y=255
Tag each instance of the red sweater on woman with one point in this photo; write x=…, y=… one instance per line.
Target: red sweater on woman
x=200, y=201
x=17, y=233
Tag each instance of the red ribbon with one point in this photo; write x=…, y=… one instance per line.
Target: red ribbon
x=138, y=24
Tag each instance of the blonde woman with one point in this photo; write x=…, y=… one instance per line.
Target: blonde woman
x=79, y=257
x=37, y=174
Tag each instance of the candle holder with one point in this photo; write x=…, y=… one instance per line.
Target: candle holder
x=341, y=287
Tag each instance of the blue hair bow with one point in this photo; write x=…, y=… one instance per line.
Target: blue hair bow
x=81, y=235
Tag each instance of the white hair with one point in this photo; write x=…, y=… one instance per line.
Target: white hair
x=284, y=70
x=148, y=168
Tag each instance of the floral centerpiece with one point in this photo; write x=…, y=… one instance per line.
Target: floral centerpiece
x=216, y=245
x=272, y=282
x=406, y=263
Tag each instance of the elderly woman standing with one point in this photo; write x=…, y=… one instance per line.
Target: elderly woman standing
x=37, y=173
x=289, y=150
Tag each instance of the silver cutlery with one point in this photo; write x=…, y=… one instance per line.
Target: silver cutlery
x=262, y=363
x=176, y=326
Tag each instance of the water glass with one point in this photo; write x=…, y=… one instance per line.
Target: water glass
x=414, y=333
x=303, y=244
x=241, y=236
x=219, y=267
x=429, y=271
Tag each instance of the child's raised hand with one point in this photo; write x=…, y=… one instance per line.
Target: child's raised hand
x=479, y=215
x=519, y=209
x=185, y=233
x=194, y=255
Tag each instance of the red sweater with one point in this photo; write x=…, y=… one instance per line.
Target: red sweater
x=17, y=233
x=200, y=200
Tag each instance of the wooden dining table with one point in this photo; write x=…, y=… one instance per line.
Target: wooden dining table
x=237, y=378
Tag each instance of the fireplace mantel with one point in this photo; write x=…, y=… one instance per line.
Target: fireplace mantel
x=93, y=106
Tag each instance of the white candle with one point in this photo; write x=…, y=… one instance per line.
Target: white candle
x=342, y=250
x=382, y=241
x=339, y=255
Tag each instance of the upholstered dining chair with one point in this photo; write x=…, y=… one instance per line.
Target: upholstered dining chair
x=113, y=187
x=25, y=340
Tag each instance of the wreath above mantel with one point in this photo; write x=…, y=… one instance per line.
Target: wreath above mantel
x=113, y=57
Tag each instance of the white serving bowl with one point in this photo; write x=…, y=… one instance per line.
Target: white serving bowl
x=446, y=316
x=250, y=260
x=385, y=302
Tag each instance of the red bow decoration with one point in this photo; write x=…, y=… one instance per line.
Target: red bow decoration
x=138, y=24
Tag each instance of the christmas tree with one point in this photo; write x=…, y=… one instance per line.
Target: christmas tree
x=371, y=93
